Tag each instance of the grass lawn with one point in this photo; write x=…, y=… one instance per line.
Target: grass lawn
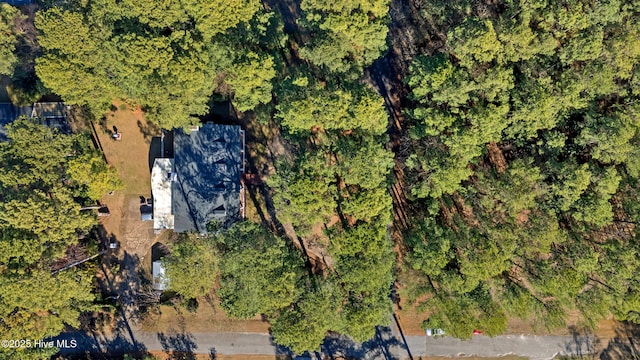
x=131, y=154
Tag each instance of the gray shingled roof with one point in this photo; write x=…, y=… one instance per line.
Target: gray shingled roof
x=52, y=114
x=17, y=2
x=208, y=164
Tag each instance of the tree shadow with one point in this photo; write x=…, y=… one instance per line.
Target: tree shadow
x=81, y=345
x=384, y=345
x=583, y=342
x=179, y=346
x=291, y=11
x=160, y=148
x=626, y=344
x=397, y=323
x=254, y=134
x=148, y=130
x=124, y=289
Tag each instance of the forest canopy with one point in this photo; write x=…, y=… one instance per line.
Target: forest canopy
x=525, y=134
x=482, y=158
x=40, y=217
x=161, y=56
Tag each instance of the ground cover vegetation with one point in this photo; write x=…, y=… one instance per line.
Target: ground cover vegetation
x=42, y=188
x=524, y=133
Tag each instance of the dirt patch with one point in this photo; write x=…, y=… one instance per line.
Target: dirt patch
x=408, y=314
x=496, y=157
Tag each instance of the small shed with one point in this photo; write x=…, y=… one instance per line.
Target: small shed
x=160, y=281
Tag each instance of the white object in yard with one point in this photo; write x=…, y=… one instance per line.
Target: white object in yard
x=160, y=281
x=161, y=175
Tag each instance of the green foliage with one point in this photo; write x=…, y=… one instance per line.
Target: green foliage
x=192, y=266
x=39, y=218
x=365, y=163
x=364, y=313
x=364, y=270
x=259, y=272
x=571, y=184
x=39, y=226
x=366, y=205
x=521, y=188
x=35, y=156
x=461, y=315
x=162, y=56
x=74, y=72
x=251, y=83
x=39, y=215
x=331, y=108
x=351, y=35
x=94, y=175
x=304, y=326
x=8, y=39
x=302, y=193
x=37, y=314
x=530, y=227
x=473, y=42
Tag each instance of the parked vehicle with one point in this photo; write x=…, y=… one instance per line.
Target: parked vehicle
x=434, y=332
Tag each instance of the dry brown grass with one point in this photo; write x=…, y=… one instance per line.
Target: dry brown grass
x=410, y=318
x=208, y=317
x=130, y=157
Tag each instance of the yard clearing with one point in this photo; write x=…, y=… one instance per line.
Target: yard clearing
x=130, y=156
x=208, y=317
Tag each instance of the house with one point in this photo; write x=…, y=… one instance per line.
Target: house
x=51, y=114
x=17, y=2
x=202, y=183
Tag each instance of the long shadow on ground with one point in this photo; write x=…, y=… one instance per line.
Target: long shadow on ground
x=626, y=344
x=180, y=346
x=383, y=346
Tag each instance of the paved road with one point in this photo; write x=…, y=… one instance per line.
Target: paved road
x=534, y=347
x=384, y=346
